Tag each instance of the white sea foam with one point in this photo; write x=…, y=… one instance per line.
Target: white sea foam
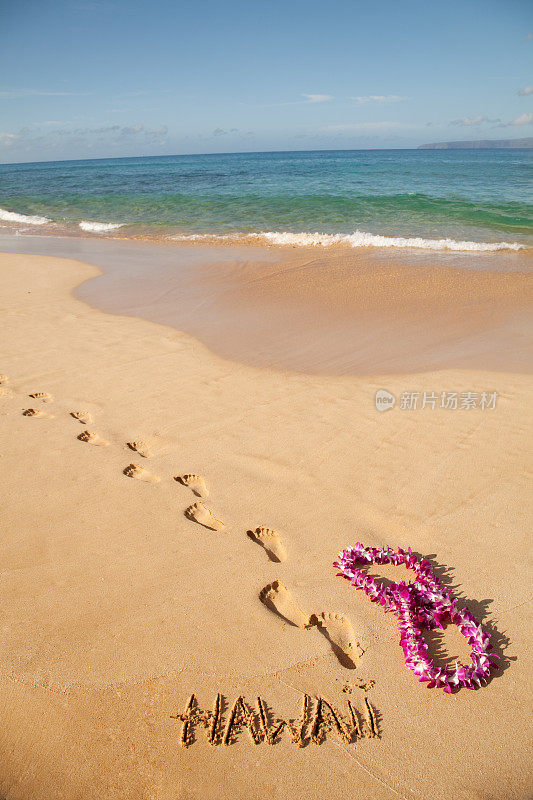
x=199, y=237
x=357, y=239
x=362, y=239
x=99, y=227
x=11, y=216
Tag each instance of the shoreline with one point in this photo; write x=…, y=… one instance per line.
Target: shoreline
x=357, y=240
x=326, y=311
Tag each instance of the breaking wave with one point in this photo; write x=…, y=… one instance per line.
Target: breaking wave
x=99, y=227
x=26, y=219
x=358, y=239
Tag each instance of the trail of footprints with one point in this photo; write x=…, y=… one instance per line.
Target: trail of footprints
x=336, y=628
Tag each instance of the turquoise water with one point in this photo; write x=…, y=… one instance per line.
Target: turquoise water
x=476, y=196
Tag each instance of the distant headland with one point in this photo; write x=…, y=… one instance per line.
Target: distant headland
x=508, y=144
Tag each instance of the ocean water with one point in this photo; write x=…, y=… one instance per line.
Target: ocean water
x=455, y=199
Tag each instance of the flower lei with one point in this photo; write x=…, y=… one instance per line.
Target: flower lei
x=424, y=603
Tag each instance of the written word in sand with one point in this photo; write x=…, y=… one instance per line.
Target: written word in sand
x=318, y=719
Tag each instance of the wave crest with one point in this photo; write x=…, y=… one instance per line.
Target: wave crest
x=26, y=219
x=99, y=227
x=357, y=239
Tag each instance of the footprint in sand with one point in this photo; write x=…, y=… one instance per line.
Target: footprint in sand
x=5, y=391
x=339, y=632
x=140, y=473
x=201, y=514
x=46, y=397
x=36, y=412
x=4, y=379
x=92, y=438
x=278, y=598
x=194, y=482
x=141, y=448
x=271, y=542
x=83, y=416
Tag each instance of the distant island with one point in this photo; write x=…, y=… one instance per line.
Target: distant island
x=508, y=144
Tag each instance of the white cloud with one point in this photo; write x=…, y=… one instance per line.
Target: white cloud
x=122, y=131
x=7, y=139
x=481, y=119
x=223, y=132
x=378, y=98
x=529, y=37
x=161, y=131
x=47, y=136
x=470, y=121
x=525, y=91
x=523, y=119
x=317, y=98
x=308, y=99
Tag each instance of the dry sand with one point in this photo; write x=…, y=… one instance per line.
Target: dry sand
x=115, y=606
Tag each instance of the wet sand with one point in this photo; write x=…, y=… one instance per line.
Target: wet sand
x=319, y=310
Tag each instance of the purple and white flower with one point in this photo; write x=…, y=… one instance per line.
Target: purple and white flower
x=424, y=603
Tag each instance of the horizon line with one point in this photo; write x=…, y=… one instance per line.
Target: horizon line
x=257, y=152
x=190, y=155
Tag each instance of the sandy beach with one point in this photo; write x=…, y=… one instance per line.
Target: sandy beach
x=119, y=601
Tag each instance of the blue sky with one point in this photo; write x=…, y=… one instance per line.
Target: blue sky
x=92, y=78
